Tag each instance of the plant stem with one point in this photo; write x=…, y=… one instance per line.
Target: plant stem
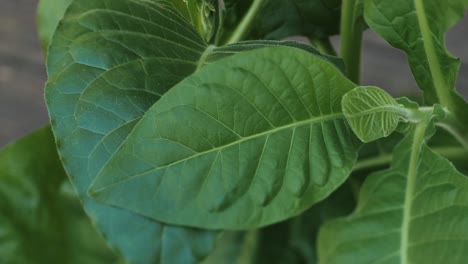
x=451, y=124
x=443, y=91
x=243, y=27
x=351, y=38
x=451, y=153
x=323, y=45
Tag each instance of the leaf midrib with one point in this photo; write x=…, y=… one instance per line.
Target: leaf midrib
x=319, y=119
x=386, y=108
x=416, y=147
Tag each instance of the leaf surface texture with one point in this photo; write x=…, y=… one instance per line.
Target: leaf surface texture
x=244, y=142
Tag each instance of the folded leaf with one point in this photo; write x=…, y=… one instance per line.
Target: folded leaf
x=40, y=220
x=371, y=112
x=414, y=212
x=418, y=27
x=247, y=141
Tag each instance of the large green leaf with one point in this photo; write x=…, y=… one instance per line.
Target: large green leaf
x=418, y=28
x=49, y=13
x=415, y=212
x=247, y=141
x=108, y=63
x=41, y=220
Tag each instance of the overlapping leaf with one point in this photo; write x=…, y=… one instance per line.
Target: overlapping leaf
x=40, y=221
x=418, y=28
x=109, y=62
x=414, y=212
x=250, y=140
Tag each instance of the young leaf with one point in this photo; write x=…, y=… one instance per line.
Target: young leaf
x=371, y=112
x=418, y=27
x=108, y=63
x=200, y=13
x=49, y=13
x=414, y=212
x=221, y=52
x=247, y=141
x=41, y=222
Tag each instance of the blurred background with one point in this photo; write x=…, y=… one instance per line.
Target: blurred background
x=22, y=70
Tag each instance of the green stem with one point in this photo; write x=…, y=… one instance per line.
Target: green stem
x=451, y=153
x=244, y=26
x=441, y=88
x=323, y=45
x=452, y=125
x=351, y=38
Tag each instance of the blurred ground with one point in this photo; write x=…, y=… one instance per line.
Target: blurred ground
x=22, y=72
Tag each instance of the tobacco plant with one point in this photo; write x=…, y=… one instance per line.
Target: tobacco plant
x=192, y=132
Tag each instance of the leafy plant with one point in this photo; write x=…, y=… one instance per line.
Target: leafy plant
x=192, y=133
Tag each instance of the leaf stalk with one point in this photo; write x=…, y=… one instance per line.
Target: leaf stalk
x=351, y=38
x=244, y=26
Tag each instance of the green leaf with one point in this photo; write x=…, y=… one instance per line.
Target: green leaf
x=371, y=112
x=291, y=242
x=311, y=18
x=415, y=212
x=109, y=62
x=294, y=241
x=41, y=220
x=49, y=13
x=418, y=27
x=234, y=248
x=279, y=19
x=200, y=13
x=221, y=52
x=247, y=141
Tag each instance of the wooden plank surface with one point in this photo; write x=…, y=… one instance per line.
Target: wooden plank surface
x=22, y=71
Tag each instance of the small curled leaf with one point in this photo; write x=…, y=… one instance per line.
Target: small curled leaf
x=371, y=112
